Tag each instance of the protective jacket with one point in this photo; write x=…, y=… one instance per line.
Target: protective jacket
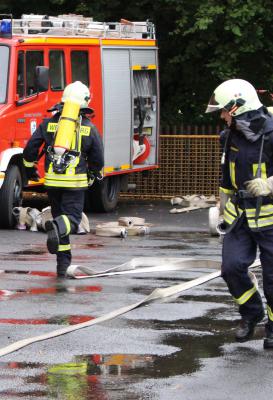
x=248, y=154
x=87, y=149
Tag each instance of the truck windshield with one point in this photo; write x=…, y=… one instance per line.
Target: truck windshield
x=4, y=64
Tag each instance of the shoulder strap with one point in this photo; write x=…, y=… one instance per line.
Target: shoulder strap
x=226, y=147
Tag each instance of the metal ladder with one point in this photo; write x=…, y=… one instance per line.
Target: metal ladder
x=71, y=25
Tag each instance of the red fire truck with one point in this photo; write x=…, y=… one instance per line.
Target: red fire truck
x=39, y=56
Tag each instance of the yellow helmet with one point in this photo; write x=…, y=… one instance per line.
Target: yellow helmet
x=78, y=93
x=236, y=96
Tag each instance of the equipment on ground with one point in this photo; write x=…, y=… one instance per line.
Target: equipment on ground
x=125, y=226
x=191, y=203
x=214, y=221
x=35, y=220
x=217, y=225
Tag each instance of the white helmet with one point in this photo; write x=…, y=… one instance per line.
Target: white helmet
x=78, y=93
x=236, y=96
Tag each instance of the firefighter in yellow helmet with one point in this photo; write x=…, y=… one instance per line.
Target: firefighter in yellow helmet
x=246, y=200
x=73, y=150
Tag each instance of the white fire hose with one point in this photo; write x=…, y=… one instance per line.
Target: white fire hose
x=140, y=265
x=135, y=266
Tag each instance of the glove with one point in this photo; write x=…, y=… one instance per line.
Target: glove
x=260, y=187
x=94, y=175
x=91, y=178
x=32, y=174
x=98, y=175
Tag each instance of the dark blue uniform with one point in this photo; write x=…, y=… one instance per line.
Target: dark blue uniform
x=66, y=190
x=248, y=140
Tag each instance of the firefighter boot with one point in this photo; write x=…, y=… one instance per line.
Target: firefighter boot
x=268, y=340
x=246, y=328
x=52, y=237
x=63, y=260
x=61, y=271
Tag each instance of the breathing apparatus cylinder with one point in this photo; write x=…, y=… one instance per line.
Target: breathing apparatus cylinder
x=75, y=96
x=66, y=127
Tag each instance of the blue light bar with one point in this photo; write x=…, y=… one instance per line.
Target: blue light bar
x=5, y=28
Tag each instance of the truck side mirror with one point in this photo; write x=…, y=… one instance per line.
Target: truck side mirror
x=41, y=78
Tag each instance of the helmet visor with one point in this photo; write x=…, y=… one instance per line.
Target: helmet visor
x=213, y=105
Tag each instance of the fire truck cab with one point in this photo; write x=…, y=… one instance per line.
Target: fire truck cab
x=39, y=56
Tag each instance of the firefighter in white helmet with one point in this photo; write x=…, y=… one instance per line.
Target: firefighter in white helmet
x=246, y=189
x=73, y=150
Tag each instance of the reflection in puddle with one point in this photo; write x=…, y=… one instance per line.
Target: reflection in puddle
x=29, y=252
x=87, y=246
x=188, y=236
x=184, y=240
x=56, y=320
x=24, y=257
x=22, y=272
x=94, y=377
x=109, y=376
x=38, y=257
x=8, y=294
x=112, y=376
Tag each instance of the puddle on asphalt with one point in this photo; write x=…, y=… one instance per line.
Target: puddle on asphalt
x=187, y=238
x=37, y=254
x=177, y=247
x=112, y=376
x=93, y=377
x=24, y=257
x=55, y=320
x=180, y=241
x=11, y=294
x=25, y=272
x=87, y=246
x=29, y=252
x=41, y=257
x=182, y=235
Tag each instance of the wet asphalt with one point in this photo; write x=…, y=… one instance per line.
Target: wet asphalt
x=181, y=349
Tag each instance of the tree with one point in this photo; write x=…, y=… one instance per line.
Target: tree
x=218, y=40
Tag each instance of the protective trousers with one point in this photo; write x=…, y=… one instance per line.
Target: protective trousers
x=66, y=207
x=239, y=252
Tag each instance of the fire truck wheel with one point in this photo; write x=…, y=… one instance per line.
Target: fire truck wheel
x=10, y=196
x=103, y=196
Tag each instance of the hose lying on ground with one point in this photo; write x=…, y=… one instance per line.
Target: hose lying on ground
x=157, y=294
x=140, y=265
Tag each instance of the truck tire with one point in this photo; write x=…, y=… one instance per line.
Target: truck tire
x=10, y=196
x=103, y=196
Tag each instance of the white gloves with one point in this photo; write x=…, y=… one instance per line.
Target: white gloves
x=260, y=187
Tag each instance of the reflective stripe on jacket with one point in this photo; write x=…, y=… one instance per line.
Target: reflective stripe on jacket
x=88, y=144
x=240, y=164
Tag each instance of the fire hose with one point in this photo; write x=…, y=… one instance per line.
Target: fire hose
x=142, y=265
x=156, y=295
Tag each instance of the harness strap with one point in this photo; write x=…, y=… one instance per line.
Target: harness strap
x=258, y=175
